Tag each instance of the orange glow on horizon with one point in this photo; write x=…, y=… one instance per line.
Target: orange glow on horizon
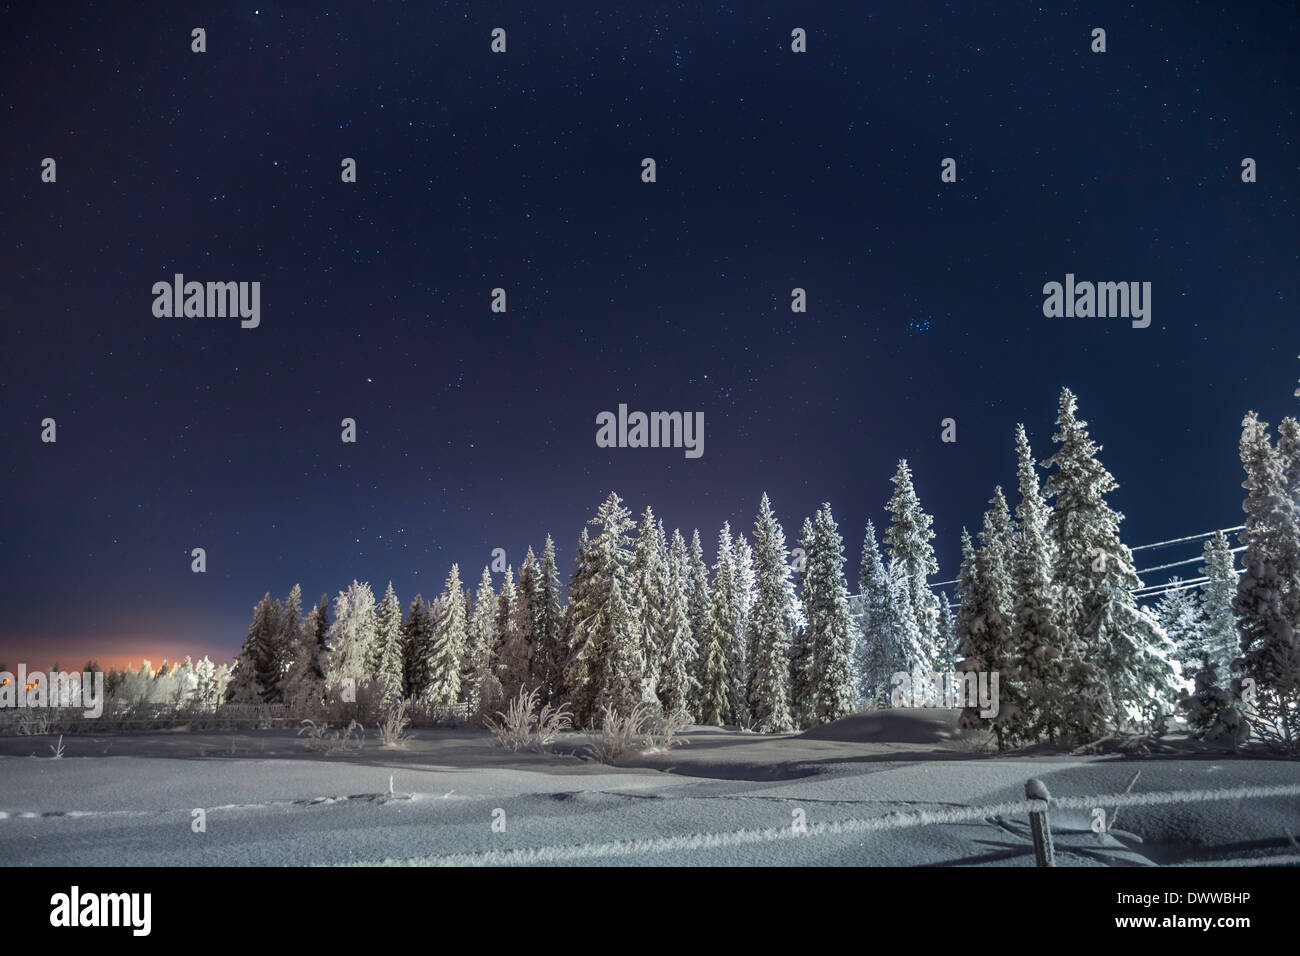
x=74, y=653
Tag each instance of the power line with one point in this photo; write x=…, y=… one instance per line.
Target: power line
x=1157, y=544
x=1153, y=590
x=1193, y=537
x=1174, y=564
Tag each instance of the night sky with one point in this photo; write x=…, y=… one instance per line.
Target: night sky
x=523, y=171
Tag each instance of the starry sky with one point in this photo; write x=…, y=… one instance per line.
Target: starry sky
x=522, y=171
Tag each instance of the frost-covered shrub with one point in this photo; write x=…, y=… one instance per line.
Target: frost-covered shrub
x=322, y=739
x=662, y=731
x=524, y=727
x=393, y=723
x=618, y=734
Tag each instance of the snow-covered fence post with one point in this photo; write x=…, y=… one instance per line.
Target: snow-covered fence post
x=1039, y=824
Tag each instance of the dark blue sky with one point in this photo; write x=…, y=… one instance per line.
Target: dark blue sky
x=476, y=430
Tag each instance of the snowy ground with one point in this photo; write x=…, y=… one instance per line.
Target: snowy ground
x=726, y=798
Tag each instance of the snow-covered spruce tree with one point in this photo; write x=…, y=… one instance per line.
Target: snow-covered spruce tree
x=476, y=666
x=572, y=625
x=176, y=689
x=1093, y=578
x=1150, y=678
x=803, y=657
x=417, y=648
x=625, y=688
x=188, y=683
x=1288, y=453
x=770, y=626
x=318, y=624
x=803, y=694
x=601, y=624
x=447, y=650
x=1017, y=716
x=826, y=605
x=907, y=654
x=1079, y=516
x=287, y=640
x=1039, y=643
x=351, y=638
x=1267, y=602
x=947, y=634
x=716, y=650
x=985, y=629
x=647, y=598
x=161, y=682
x=908, y=542
x=220, y=681
x=550, y=653
x=998, y=538
x=254, y=676
x=386, y=655
x=745, y=577
x=677, y=665
x=879, y=649
x=322, y=625
x=1179, y=613
x=1269, y=659
x=965, y=586
x=1219, y=623
x=203, y=669
x=698, y=604
x=304, y=684
x=211, y=683
x=1288, y=450
x=505, y=641
x=1033, y=511
x=517, y=656
x=1064, y=691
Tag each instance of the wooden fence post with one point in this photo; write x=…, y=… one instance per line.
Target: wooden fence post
x=1039, y=823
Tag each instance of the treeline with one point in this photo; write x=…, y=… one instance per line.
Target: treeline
x=645, y=622
x=765, y=637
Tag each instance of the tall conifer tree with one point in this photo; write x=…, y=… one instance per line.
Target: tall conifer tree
x=771, y=625
x=826, y=605
x=908, y=541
